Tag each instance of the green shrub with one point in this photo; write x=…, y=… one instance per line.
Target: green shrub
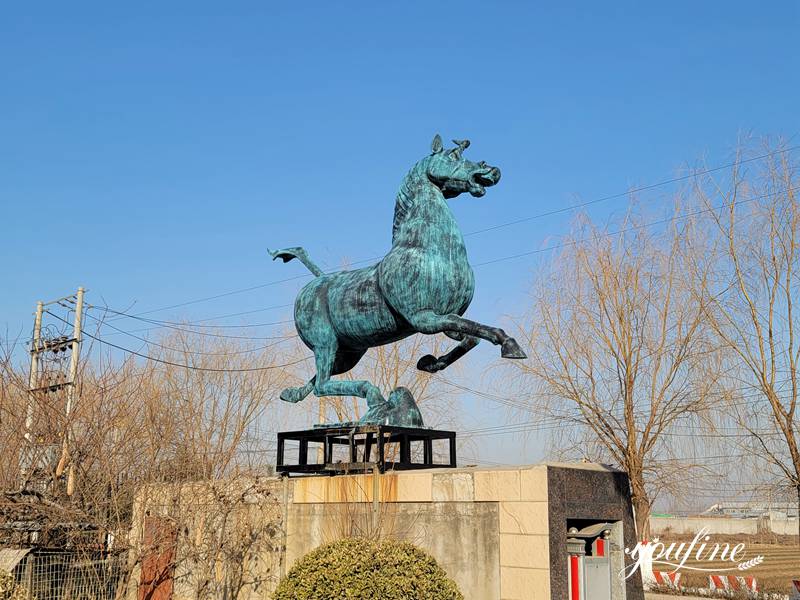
x=360, y=569
x=10, y=589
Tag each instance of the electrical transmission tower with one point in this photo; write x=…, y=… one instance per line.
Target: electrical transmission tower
x=52, y=390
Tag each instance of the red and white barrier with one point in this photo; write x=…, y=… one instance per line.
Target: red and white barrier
x=667, y=579
x=732, y=583
x=795, y=589
x=575, y=578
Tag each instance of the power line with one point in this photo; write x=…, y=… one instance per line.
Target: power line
x=522, y=405
x=203, y=333
x=557, y=246
x=556, y=422
x=631, y=191
x=224, y=294
x=191, y=367
x=207, y=334
x=633, y=228
x=123, y=314
x=151, y=343
x=494, y=227
x=550, y=422
x=549, y=419
x=549, y=248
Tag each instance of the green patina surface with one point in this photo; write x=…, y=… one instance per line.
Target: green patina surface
x=423, y=285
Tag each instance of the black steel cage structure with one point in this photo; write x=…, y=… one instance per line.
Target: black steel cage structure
x=367, y=447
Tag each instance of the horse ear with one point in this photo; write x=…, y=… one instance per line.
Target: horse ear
x=436, y=145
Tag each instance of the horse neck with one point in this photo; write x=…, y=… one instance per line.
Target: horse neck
x=416, y=187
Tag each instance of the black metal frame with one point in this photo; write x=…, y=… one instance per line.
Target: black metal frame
x=368, y=436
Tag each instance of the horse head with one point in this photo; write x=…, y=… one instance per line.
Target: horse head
x=453, y=174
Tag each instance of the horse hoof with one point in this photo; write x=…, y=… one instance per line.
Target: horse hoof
x=511, y=349
x=291, y=395
x=400, y=410
x=427, y=363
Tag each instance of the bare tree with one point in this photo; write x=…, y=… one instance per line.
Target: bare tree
x=751, y=303
x=619, y=355
x=12, y=418
x=184, y=415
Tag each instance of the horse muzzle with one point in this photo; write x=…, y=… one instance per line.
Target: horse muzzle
x=490, y=177
x=482, y=179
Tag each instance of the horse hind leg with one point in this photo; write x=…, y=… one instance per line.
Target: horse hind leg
x=432, y=364
x=330, y=361
x=427, y=321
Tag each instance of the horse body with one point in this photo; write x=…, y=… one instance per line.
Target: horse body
x=427, y=267
x=350, y=305
x=424, y=284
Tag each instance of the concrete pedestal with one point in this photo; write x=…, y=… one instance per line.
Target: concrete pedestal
x=500, y=533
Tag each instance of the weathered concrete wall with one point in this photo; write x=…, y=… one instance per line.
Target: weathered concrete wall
x=499, y=533
x=783, y=526
x=461, y=536
x=692, y=525
x=227, y=536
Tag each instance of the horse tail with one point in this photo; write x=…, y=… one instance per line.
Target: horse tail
x=300, y=254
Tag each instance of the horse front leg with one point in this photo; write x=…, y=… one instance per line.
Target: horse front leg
x=296, y=394
x=432, y=364
x=427, y=321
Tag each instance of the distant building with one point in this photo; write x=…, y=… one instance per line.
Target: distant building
x=750, y=509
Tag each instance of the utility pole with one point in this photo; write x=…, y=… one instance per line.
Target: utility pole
x=72, y=390
x=32, y=378
x=38, y=453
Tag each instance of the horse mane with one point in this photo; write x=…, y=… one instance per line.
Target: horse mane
x=407, y=196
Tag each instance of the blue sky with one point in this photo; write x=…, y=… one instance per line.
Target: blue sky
x=153, y=151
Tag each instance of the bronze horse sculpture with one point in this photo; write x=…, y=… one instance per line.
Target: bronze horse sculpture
x=423, y=285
